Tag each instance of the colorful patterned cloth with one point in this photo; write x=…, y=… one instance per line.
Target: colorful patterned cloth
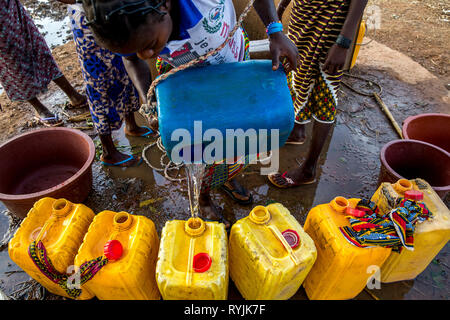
x=26, y=63
x=110, y=91
x=38, y=255
x=314, y=26
x=393, y=230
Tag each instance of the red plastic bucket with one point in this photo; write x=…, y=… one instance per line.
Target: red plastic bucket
x=410, y=159
x=51, y=162
x=433, y=128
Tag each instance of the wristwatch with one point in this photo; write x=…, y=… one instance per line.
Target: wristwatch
x=343, y=42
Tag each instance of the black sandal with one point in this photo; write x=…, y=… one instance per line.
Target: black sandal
x=239, y=190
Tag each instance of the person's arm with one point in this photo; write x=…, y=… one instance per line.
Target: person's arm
x=280, y=44
x=337, y=54
x=282, y=5
x=140, y=75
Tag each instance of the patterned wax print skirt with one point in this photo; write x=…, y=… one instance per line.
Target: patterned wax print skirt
x=26, y=63
x=314, y=26
x=110, y=91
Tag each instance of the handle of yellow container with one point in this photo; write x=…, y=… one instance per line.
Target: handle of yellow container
x=60, y=208
x=286, y=245
x=190, y=262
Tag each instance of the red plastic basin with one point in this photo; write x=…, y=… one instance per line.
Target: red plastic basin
x=433, y=128
x=410, y=159
x=51, y=162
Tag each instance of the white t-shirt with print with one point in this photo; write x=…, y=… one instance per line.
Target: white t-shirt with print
x=204, y=26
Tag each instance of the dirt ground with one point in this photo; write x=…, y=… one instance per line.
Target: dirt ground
x=420, y=29
x=349, y=164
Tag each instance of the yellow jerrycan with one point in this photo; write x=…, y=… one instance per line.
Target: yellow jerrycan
x=193, y=260
x=430, y=236
x=123, y=248
x=47, y=241
x=342, y=269
x=270, y=254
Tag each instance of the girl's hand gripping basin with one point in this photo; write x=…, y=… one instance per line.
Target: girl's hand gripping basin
x=47, y=241
x=270, y=254
x=430, y=236
x=193, y=261
x=118, y=257
x=342, y=269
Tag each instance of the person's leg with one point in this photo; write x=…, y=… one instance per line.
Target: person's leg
x=321, y=108
x=306, y=173
x=298, y=134
x=131, y=127
x=42, y=110
x=111, y=155
x=44, y=115
x=76, y=99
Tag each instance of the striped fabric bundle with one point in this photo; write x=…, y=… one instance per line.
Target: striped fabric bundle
x=394, y=230
x=38, y=254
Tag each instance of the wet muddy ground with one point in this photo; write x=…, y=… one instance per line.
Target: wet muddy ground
x=349, y=166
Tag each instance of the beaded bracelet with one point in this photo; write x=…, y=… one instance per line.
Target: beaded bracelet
x=274, y=27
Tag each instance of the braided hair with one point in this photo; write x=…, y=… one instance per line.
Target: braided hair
x=114, y=21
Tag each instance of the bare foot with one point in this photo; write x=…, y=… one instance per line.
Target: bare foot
x=140, y=132
x=121, y=160
x=77, y=101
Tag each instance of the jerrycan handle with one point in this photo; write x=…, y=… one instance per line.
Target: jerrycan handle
x=194, y=227
x=60, y=208
x=286, y=245
x=190, y=262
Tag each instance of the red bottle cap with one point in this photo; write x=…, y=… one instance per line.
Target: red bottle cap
x=292, y=237
x=414, y=195
x=355, y=212
x=202, y=262
x=113, y=250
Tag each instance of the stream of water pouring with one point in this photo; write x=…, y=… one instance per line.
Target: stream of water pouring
x=194, y=174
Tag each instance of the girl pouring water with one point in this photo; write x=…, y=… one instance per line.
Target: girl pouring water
x=179, y=31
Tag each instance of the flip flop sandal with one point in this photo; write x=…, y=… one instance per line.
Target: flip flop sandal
x=123, y=162
x=48, y=121
x=281, y=181
x=149, y=132
x=294, y=142
x=240, y=191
